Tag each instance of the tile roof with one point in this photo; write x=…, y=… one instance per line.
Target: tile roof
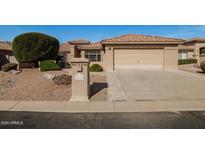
x=187, y=48
x=5, y=45
x=195, y=40
x=93, y=46
x=141, y=38
x=64, y=47
x=80, y=41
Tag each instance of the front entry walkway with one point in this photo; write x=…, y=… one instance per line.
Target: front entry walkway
x=154, y=85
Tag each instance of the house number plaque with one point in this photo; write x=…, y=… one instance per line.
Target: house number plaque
x=79, y=76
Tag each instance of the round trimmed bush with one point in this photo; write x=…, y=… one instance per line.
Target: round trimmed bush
x=202, y=65
x=96, y=68
x=33, y=47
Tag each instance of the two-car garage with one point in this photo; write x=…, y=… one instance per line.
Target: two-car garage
x=133, y=51
x=138, y=59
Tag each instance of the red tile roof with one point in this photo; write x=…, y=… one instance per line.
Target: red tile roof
x=65, y=47
x=81, y=41
x=141, y=38
x=93, y=46
x=186, y=48
x=195, y=40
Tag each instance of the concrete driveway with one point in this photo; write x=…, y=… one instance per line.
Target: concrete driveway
x=152, y=85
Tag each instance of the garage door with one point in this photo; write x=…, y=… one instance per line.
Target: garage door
x=138, y=59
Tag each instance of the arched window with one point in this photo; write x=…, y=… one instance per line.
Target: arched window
x=202, y=51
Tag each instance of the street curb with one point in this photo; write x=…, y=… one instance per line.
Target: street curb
x=103, y=107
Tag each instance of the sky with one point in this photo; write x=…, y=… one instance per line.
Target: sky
x=96, y=33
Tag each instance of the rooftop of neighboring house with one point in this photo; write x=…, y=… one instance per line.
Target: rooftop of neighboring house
x=195, y=40
x=140, y=38
x=5, y=45
x=186, y=48
x=78, y=42
x=91, y=46
x=64, y=47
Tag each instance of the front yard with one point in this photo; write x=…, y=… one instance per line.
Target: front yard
x=30, y=85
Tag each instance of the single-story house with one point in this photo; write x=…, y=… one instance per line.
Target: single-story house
x=130, y=51
x=135, y=51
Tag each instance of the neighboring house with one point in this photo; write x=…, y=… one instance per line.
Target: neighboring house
x=6, y=55
x=130, y=51
x=186, y=52
x=69, y=49
x=198, y=46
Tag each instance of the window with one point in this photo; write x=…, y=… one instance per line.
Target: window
x=93, y=55
x=62, y=56
x=182, y=55
x=202, y=51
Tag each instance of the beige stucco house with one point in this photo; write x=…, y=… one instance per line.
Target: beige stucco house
x=195, y=49
x=130, y=51
x=134, y=51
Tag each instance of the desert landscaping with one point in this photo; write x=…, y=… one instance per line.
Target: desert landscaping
x=33, y=85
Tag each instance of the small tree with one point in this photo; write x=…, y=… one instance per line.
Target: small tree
x=34, y=47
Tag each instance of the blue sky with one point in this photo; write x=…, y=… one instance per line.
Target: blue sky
x=96, y=33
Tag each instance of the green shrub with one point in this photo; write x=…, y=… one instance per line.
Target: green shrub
x=48, y=65
x=187, y=61
x=202, y=65
x=9, y=66
x=33, y=47
x=96, y=68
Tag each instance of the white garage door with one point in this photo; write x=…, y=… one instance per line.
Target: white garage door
x=138, y=59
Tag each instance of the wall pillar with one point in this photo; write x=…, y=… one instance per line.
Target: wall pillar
x=108, y=59
x=197, y=53
x=82, y=53
x=171, y=57
x=72, y=51
x=80, y=79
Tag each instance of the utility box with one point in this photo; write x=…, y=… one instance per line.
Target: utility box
x=80, y=79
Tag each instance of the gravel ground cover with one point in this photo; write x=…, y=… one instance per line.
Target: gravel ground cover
x=31, y=85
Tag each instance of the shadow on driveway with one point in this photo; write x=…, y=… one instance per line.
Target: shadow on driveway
x=96, y=87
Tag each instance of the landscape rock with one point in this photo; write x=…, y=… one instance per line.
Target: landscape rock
x=48, y=76
x=62, y=79
x=16, y=71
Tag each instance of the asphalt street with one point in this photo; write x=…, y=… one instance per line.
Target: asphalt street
x=149, y=120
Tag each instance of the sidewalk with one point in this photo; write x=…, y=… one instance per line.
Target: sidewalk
x=122, y=106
